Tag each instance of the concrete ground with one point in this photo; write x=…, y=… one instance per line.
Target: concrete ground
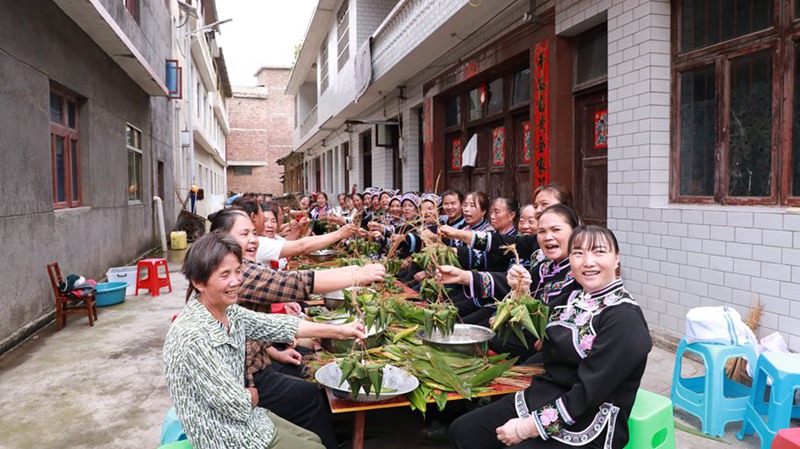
x=102, y=386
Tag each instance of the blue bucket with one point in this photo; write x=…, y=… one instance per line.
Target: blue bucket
x=110, y=293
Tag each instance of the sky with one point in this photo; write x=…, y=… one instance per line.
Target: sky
x=262, y=33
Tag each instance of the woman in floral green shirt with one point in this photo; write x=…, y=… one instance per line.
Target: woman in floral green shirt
x=205, y=349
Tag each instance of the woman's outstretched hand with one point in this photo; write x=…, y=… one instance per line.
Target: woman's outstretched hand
x=518, y=275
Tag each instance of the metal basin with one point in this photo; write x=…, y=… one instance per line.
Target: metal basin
x=323, y=255
x=469, y=339
x=334, y=299
x=395, y=380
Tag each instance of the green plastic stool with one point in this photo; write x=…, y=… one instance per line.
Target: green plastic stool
x=651, y=425
x=182, y=444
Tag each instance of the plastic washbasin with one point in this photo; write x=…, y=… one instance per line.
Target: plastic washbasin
x=110, y=293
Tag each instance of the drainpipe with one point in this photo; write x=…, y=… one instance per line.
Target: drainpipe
x=159, y=206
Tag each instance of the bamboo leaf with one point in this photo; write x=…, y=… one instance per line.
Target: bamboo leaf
x=440, y=399
x=450, y=377
x=404, y=333
x=491, y=373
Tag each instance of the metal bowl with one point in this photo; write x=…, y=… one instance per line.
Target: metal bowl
x=323, y=255
x=334, y=299
x=469, y=339
x=394, y=378
x=336, y=346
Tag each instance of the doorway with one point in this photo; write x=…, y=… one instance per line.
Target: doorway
x=591, y=156
x=366, y=157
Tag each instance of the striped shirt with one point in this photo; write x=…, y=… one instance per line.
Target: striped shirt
x=204, y=368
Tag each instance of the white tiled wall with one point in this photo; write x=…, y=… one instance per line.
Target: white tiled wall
x=679, y=256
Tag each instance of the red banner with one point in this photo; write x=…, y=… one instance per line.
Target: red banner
x=427, y=143
x=541, y=113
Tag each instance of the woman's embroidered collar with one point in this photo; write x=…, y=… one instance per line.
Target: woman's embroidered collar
x=511, y=231
x=550, y=267
x=479, y=226
x=607, y=295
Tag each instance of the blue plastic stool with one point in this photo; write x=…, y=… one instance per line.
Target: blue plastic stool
x=713, y=397
x=784, y=370
x=172, y=430
x=651, y=424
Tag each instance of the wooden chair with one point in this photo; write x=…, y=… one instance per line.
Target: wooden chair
x=67, y=304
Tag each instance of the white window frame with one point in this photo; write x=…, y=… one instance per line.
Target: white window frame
x=137, y=167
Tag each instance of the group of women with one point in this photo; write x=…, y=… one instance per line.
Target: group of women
x=594, y=352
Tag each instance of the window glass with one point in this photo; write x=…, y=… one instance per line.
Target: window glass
x=343, y=33
x=56, y=114
x=592, y=58
x=134, y=144
x=698, y=128
x=475, y=107
x=73, y=148
x=707, y=22
x=522, y=87
x=71, y=114
x=494, y=96
x=453, y=111
x=61, y=163
x=750, y=145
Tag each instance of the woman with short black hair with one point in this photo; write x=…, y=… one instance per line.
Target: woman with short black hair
x=204, y=355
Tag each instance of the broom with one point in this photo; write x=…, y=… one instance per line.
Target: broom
x=736, y=368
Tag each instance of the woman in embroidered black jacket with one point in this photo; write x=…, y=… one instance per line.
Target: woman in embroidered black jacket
x=548, y=275
x=490, y=244
x=594, y=358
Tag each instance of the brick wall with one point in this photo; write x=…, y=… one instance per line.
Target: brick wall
x=678, y=256
x=261, y=131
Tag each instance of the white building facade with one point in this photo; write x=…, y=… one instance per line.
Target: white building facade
x=202, y=118
x=680, y=135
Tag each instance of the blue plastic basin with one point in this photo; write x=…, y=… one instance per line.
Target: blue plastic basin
x=110, y=293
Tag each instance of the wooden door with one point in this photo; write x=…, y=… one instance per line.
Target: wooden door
x=591, y=156
x=495, y=171
x=347, y=165
x=366, y=158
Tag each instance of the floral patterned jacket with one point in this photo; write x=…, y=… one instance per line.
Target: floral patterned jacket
x=594, y=359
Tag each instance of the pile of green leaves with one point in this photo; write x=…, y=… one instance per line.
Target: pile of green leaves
x=362, y=247
x=361, y=374
x=441, y=316
x=369, y=305
x=433, y=256
x=388, y=285
x=440, y=372
x=350, y=261
x=515, y=314
x=392, y=266
x=519, y=310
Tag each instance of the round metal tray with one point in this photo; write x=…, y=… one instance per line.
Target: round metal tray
x=467, y=339
x=394, y=378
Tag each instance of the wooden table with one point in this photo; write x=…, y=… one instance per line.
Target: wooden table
x=360, y=409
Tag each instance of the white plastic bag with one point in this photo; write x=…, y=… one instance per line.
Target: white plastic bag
x=773, y=342
x=718, y=325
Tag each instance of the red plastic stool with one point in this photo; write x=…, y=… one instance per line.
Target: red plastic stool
x=152, y=281
x=787, y=439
